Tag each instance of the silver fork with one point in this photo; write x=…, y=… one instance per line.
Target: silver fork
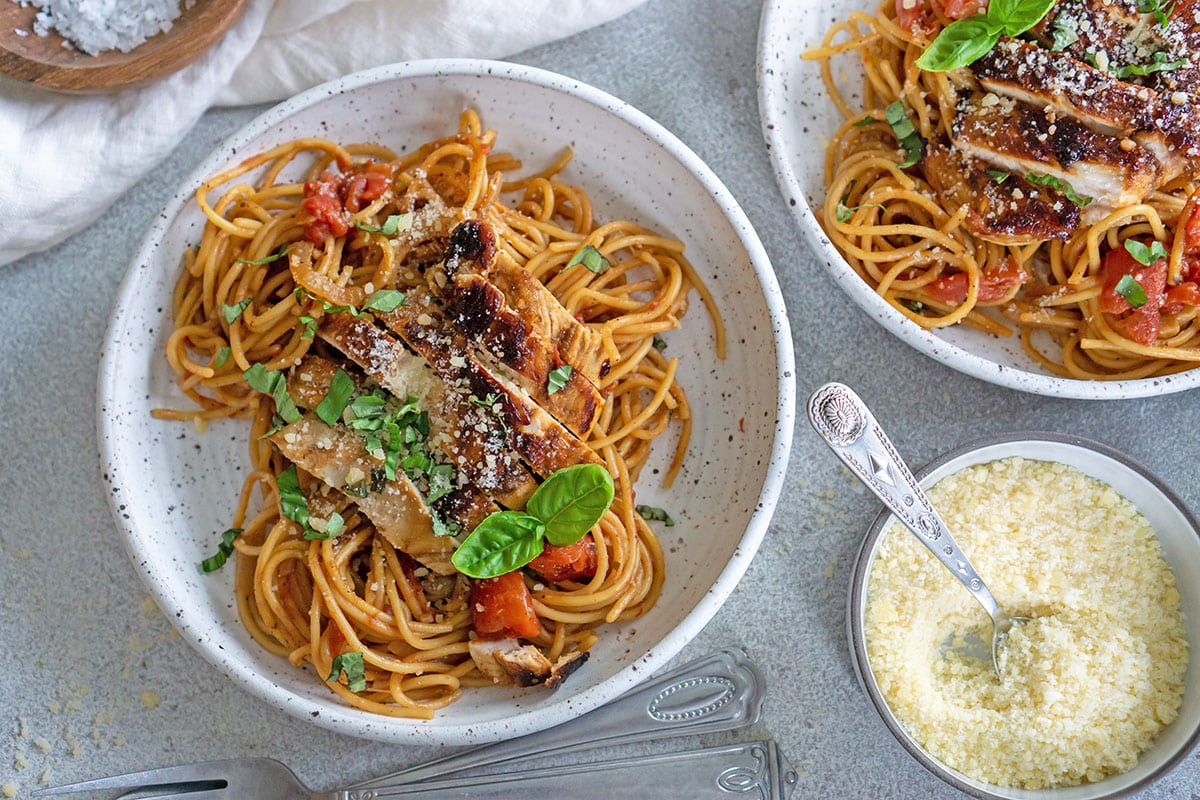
x=714, y=772
x=719, y=692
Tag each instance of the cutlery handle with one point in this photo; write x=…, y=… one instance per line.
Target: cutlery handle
x=754, y=769
x=842, y=419
x=720, y=692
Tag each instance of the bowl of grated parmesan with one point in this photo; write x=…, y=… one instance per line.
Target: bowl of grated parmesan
x=1097, y=698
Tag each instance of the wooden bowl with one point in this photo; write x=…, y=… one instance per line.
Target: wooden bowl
x=44, y=60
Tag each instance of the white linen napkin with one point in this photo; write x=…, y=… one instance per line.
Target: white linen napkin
x=64, y=159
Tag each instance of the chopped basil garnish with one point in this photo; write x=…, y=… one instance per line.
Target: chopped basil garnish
x=310, y=327
x=489, y=404
x=1131, y=290
x=1055, y=183
x=333, y=527
x=905, y=133
x=655, y=514
x=221, y=357
x=1161, y=9
x=278, y=254
x=1159, y=64
x=330, y=308
x=998, y=175
x=334, y=403
x=659, y=344
x=558, y=378
x=441, y=482
x=563, y=509
x=845, y=212
x=967, y=40
x=385, y=300
x=292, y=502
x=445, y=527
x=301, y=294
x=391, y=226
x=1145, y=255
x=352, y=665
x=231, y=313
x=273, y=382
x=224, y=551
x=865, y=121
x=915, y=306
x=1064, y=35
x=591, y=258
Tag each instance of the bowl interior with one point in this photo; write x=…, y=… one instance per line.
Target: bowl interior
x=174, y=489
x=1179, y=536
x=798, y=121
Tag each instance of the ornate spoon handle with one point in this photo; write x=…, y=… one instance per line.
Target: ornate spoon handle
x=843, y=420
x=720, y=692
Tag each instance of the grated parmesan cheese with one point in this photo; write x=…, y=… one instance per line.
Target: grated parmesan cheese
x=1088, y=683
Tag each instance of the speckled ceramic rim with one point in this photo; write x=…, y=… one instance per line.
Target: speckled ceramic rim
x=857, y=602
x=350, y=721
x=773, y=40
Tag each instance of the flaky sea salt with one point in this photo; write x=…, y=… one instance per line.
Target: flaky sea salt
x=98, y=25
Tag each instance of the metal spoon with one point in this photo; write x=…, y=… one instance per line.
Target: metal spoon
x=843, y=420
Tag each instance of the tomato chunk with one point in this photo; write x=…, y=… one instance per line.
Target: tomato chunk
x=994, y=284
x=331, y=199
x=961, y=9
x=1140, y=324
x=567, y=563
x=503, y=607
x=1182, y=297
x=916, y=17
x=1189, y=225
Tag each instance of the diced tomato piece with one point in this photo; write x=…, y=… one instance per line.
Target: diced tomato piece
x=323, y=202
x=503, y=607
x=916, y=17
x=994, y=284
x=1182, y=297
x=961, y=9
x=367, y=185
x=1140, y=324
x=1189, y=224
x=567, y=563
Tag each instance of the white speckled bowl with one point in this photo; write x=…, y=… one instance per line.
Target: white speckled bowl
x=798, y=121
x=1178, y=533
x=173, y=490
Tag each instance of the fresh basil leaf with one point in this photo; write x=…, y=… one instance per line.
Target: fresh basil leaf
x=221, y=357
x=558, y=378
x=1055, y=183
x=998, y=175
x=310, y=327
x=571, y=501
x=1017, y=16
x=1131, y=290
x=224, y=551
x=259, y=378
x=278, y=254
x=1143, y=254
x=385, y=300
x=591, y=258
x=273, y=383
x=292, y=502
x=391, y=226
x=231, y=313
x=656, y=514
x=352, y=665
x=504, y=541
x=1160, y=64
x=1063, y=35
x=905, y=133
x=959, y=44
x=334, y=403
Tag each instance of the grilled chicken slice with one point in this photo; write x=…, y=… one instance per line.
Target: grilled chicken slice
x=465, y=432
x=483, y=313
x=508, y=663
x=338, y=458
x=1109, y=26
x=1011, y=212
x=1022, y=140
x=1161, y=116
x=540, y=439
x=466, y=504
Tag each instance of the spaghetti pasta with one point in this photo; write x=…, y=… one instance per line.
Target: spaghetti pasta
x=277, y=265
x=912, y=241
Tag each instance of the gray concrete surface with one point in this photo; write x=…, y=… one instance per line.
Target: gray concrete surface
x=93, y=679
